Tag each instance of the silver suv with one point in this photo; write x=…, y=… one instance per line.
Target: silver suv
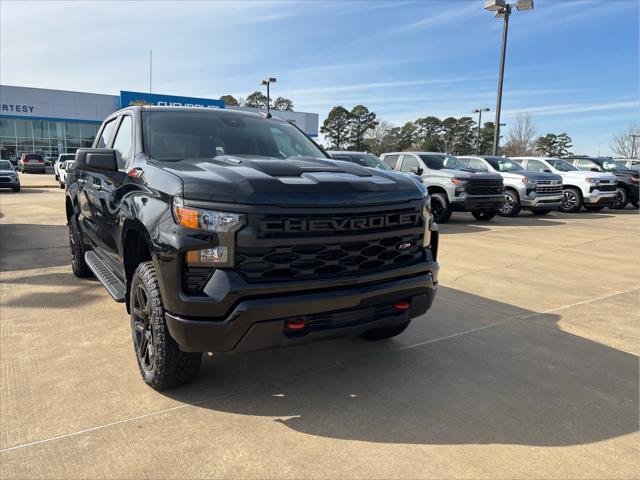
x=452, y=184
x=539, y=192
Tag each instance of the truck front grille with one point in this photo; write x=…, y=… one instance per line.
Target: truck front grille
x=548, y=189
x=605, y=187
x=339, y=259
x=485, y=187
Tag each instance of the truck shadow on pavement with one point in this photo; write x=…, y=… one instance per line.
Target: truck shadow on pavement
x=473, y=371
x=35, y=245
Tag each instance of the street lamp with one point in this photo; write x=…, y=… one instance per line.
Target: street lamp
x=479, y=112
x=267, y=82
x=503, y=9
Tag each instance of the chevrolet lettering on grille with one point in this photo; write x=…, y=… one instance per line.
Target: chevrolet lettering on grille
x=295, y=225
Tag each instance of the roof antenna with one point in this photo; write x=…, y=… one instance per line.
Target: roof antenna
x=150, y=70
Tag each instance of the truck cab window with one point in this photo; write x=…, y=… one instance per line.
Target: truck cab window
x=122, y=144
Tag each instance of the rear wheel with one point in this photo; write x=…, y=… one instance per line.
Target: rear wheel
x=78, y=265
x=593, y=208
x=572, y=201
x=484, y=215
x=162, y=364
x=440, y=208
x=511, y=207
x=621, y=199
x=385, y=332
x=537, y=211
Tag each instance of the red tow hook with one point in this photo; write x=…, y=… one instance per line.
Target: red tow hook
x=295, y=324
x=402, y=305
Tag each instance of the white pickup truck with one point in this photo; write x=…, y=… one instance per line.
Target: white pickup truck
x=591, y=190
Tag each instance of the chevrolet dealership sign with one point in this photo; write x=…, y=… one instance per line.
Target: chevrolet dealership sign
x=138, y=98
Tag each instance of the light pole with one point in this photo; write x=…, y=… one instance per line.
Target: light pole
x=479, y=112
x=503, y=10
x=633, y=144
x=267, y=82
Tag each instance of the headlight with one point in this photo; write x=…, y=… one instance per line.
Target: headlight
x=528, y=181
x=634, y=179
x=198, y=218
x=458, y=181
x=591, y=181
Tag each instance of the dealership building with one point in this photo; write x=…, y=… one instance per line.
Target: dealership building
x=50, y=122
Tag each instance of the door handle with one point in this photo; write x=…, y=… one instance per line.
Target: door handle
x=97, y=186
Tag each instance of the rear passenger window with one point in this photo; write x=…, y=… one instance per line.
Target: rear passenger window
x=409, y=162
x=107, y=134
x=391, y=160
x=122, y=144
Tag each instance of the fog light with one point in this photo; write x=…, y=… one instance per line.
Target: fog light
x=208, y=256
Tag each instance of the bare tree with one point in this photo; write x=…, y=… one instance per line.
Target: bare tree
x=377, y=139
x=522, y=137
x=627, y=144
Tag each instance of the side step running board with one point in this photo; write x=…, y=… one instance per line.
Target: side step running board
x=109, y=280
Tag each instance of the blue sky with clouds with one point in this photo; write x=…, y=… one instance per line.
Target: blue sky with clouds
x=573, y=64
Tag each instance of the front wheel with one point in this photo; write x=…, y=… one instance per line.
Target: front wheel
x=621, y=199
x=385, y=332
x=511, y=207
x=162, y=364
x=572, y=200
x=484, y=215
x=78, y=265
x=440, y=208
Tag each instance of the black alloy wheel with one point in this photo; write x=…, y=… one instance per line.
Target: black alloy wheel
x=143, y=338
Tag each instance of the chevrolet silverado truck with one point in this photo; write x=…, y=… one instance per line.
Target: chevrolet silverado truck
x=627, y=191
x=590, y=190
x=452, y=184
x=539, y=192
x=230, y=231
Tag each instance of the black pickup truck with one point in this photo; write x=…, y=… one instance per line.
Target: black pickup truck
x=229, y=231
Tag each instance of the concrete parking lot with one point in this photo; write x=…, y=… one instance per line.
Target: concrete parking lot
x=526, y=367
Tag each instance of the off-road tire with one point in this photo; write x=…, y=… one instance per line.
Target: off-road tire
x=621, y=200
x=441, y=208
x=537, y=211
x=511, y=206
x=484, y=215
x=165, y=365
x=634, y=203
x=385, y=332
x=576, y=205
x=593, y=208
x=78, y=265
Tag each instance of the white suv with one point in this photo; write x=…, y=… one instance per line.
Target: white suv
x=592, y=190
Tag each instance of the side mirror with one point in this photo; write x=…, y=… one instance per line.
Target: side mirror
x=96, y=159
x=416, y=170
x=546, y=170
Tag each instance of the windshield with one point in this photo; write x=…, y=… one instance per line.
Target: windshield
x=502, y=164
x=562, y=165
x=174, y=136
x=68, y=156
x=612, y=166
x=364, y=159
x=438, y=162
x=5, y=165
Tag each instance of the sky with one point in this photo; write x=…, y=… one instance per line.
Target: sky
x=572, y=64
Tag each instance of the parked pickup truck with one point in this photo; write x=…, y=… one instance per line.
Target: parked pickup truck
x=539, y=192
x=232, y=231
x=627, y=190
x=589, y=189
x=452, y=184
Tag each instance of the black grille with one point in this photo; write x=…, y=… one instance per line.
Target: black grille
x=349, y=318
x=485, y=187
x=195, y=278
x=5, y=180
x=297, y=262
x=606, y=188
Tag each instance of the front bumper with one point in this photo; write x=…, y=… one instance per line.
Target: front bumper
x=542, y=201
x=468, y=203
x=597, y=197
x=8, y=182
x=259, y=323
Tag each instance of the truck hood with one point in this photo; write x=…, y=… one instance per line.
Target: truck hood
x=300, y=181
x=470, y=174
x=581, y=174
x=534, y=176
